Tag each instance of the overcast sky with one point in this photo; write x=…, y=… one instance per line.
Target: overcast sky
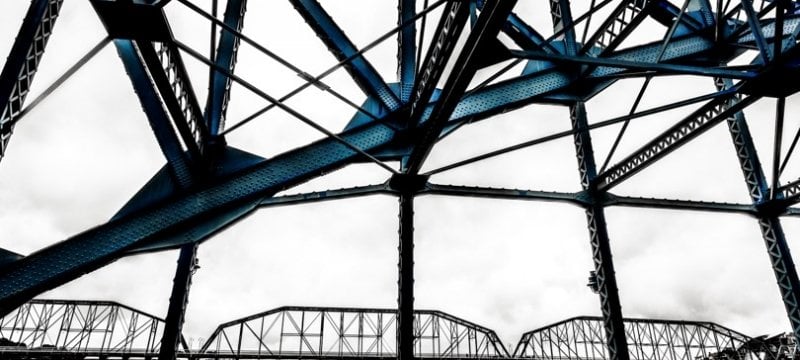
x=511, y=266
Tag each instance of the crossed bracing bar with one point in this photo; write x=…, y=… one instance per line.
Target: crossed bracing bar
x=211, y=185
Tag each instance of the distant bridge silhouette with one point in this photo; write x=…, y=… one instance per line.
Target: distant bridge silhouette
x=69, y=329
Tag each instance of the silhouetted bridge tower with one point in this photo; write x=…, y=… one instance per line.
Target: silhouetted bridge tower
x=208, y=184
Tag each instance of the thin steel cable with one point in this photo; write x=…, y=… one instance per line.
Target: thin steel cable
x=667, y=37
x=315, y=80
x=61, y=79
x=598, y=125
x=304, y=75
x=281, y=105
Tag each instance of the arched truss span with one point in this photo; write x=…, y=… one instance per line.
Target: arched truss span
x=348, y=333
x=583, y=338
x=64, y=328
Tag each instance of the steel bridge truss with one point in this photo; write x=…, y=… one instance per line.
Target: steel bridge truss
x=207, y=184
x=65, y=329
x=307, y=332
x=584, y=338
x=59, y=329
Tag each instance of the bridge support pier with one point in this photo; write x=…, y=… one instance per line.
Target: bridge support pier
x=606, y=285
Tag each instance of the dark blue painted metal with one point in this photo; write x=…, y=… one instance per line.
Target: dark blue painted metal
x=492, y=18
x=22, y=63
x=661, y=68
x=407, y=49
x=94, y=248
x=166, y=72
x=617, y=26
x=526, y=36
x=337, y=42
x=526, y=89
x=561, y=13
x=219, y=94
x=445, y=37
x=755, y=29
x=156, y=115
x=697, y=18
x=679, y=134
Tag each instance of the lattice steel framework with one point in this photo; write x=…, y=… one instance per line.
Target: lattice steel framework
x=208, y=184
x=59, y=328
x=584, y=338
x=307, y=332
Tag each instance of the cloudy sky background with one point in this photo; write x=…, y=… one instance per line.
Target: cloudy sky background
x=508, y=265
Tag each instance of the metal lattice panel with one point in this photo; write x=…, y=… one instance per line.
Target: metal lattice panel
x=584, y=338
x=79, y=327
x=305, y=332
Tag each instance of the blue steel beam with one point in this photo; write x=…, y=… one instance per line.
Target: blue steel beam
x=22, y=63
x=492, y=18
x=679, y=134
x=661, y=68
x=665, y=13
x=523, y=90
x=342, y=48
x=755, y=29
x=525, y=36
x=617, y=26
x=733, y=16
x=85, y=252
x=561, y=134
x=176, y=94
x=157, y=117
x=219, y=94
x=407, y=48
x=447, y=32
x=164, y=66
x=561, y=13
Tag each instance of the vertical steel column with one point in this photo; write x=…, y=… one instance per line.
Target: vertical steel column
x=771, y=230
x=562, y=19
x=177, y=302
x=598, y=234
x=407, y=49
x=405, y=283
